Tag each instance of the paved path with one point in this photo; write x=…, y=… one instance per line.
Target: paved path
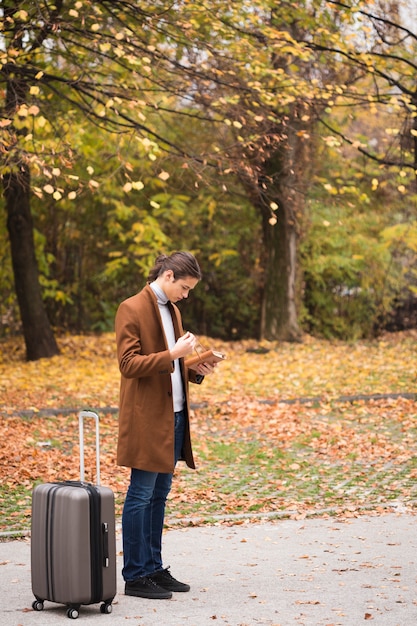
x=313, y=572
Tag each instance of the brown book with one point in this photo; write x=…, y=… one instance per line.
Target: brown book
x=208, y=356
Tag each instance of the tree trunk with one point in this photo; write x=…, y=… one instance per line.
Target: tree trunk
x=279, y=302
x=279, y=180
x=39, y=338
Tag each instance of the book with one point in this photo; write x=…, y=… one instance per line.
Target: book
x=208, y=356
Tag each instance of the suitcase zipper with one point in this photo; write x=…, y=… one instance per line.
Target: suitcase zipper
x=95, y=543
x=49, y=557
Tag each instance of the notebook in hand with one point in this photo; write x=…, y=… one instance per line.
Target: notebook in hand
x=208, y=356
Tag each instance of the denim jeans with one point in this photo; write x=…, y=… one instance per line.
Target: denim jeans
x=144, y=512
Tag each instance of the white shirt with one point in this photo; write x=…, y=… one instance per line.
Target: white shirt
x=176, y=380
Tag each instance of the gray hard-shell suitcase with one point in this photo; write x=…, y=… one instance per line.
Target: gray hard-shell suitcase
x=73, y=540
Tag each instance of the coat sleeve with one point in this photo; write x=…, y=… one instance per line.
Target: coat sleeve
x=134, y=361
x=193, y=377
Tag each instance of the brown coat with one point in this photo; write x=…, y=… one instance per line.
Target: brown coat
x=146, y=414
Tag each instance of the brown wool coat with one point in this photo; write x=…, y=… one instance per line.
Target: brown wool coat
x=146, y=417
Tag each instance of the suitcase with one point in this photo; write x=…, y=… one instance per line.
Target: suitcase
x=73, y=540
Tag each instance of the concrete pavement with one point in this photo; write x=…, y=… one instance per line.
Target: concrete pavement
x=311, y=572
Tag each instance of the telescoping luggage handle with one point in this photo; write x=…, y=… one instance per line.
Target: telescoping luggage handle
x=81, y=416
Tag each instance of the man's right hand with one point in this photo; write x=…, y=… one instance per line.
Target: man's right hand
x=184, y=345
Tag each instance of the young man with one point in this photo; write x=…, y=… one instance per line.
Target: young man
x=154, y=428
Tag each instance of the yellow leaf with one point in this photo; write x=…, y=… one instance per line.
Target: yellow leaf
x=33, y=110
x=22, y=111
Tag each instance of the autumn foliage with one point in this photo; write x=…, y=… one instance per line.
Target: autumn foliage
x=286, y=429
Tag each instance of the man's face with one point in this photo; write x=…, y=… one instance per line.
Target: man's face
x=178, y=288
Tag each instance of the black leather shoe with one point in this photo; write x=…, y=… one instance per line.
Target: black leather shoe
x=145, y=587
x=163, y=578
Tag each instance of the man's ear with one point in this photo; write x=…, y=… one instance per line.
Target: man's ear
x=169, y=274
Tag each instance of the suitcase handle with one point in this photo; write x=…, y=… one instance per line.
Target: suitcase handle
x=81, y=416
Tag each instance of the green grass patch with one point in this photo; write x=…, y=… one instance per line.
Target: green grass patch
x=15, y=512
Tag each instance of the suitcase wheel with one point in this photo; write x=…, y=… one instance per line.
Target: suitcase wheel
x=72, y=613
x=37, y=605
x=106, y=608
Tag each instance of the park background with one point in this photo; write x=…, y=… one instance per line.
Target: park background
x=277, y=141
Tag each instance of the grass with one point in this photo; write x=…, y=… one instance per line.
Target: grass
x=15, y=509
x=314, y=472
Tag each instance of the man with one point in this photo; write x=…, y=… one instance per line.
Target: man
x=154, y=430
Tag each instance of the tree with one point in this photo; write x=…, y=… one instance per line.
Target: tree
x=116, y=66
x=38, y=334
x=57, y=61
x=257, y=71
x=264, y=83
x=381, y=51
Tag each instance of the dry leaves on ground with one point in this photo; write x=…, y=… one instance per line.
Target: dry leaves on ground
x=255, y=452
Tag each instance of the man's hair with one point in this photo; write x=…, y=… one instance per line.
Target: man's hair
x=181, y=263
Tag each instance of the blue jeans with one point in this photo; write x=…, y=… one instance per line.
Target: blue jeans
x=144, y=512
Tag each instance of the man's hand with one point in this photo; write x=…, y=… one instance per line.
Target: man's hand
x=204, y=369
x=185, y=345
